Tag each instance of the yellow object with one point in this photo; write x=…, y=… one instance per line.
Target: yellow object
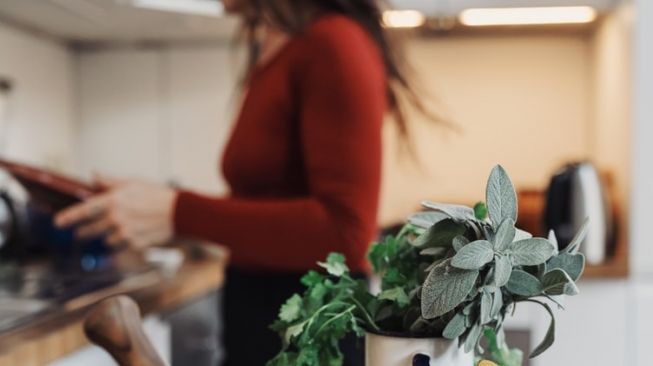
x=487, y=363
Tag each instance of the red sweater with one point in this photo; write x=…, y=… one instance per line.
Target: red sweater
x=304, y=159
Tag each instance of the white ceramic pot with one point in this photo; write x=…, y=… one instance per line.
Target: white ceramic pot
x=383, y=350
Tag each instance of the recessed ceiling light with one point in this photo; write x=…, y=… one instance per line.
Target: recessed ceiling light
x=403, y=18
x=527, y=16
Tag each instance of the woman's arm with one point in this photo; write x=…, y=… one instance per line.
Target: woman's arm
x=342, y=88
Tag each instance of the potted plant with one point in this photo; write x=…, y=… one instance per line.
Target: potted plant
x=449, y=278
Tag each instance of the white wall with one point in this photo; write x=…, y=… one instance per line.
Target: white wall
x=41, y=107
x=158, y=114
x=642, y=194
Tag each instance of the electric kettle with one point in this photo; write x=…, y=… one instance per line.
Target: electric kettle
x=576, y=193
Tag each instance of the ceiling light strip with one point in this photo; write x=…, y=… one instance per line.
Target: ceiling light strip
x=528, y=16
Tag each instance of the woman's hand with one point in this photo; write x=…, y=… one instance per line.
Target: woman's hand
x=137, y=213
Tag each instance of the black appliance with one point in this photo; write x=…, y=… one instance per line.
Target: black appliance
x=576, y=193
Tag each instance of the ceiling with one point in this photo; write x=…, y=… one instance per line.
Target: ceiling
x=92, y=21
x=112, y=20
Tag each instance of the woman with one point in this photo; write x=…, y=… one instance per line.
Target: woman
x=303, y=163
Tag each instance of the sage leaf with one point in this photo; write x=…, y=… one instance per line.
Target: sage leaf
x=455, y=328
x=486, y=306
x=445, y=288
x=473, y=337
x=523, y=284
x=397, y=294
x=459, y=242
x=573, y=264
x=473, y=255
x=521, y=235
x=558, y=282
x=553, y=238
x=550, y=333
x=575, y=243
x=497, y=303
x=433, y=251
x=335, y=264
x=530, y=252
x=291, y=310
x=505, y=235
x=458, y=213
x=502, y=270
x=425, y=220
x=440, y=234
x=501, y=197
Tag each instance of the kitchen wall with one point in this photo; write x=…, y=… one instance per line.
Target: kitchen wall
x=520, y=100
x=161, y=114
x=500, y=92
x=42, y=102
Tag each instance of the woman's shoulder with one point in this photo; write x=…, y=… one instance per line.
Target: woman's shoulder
x=339, y=31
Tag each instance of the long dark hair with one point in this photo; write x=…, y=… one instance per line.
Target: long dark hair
x=292, y=16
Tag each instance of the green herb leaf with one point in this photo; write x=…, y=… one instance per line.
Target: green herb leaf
x=521, y=235
x=440, y=234
x=472, y=337
x=575, y=243
x=459, y=242
x=291, y=310
x=427, y=219
x=558, y=282
x=523, y=284
x=497, y=303
x=486, y=306
x=480, y=211
x=573, y=264
x=505, y=235
x=434, y=251
x=502, y=270
x=397, y=294
x=335, y=264
x=473, y=255
x=293, y=331
x=445, y=288
x=501, y=197
x=530, y=252
x=311, y=279
x=458, y=213
x=549, y=338
x=455, y=328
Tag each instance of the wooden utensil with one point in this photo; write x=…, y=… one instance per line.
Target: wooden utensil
x=115, y=324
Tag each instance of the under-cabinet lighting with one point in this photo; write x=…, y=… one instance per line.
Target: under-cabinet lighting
x=528, y=16
x=403, y=18
x=193, y=7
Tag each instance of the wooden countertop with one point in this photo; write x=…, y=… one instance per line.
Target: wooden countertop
x=59, y=332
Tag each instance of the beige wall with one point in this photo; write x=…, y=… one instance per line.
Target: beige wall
x=524, y=101
x=41, y=110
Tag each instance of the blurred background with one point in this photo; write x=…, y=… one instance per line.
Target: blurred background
x=145, y=88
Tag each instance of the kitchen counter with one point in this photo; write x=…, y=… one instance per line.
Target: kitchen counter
x=57, y=333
